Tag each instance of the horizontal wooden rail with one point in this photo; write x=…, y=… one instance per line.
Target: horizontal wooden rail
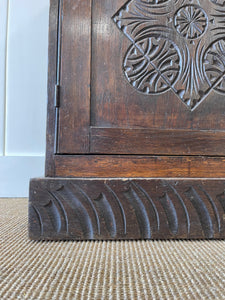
x=137, y=166
x=159, y=142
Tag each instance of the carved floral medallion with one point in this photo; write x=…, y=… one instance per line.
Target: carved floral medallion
x=176, y=45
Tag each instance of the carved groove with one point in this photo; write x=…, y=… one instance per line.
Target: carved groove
x=167, y=50
x=63, y=210
x=141, y=213
x=54, y=216
x=151, y=202
x=221, y=199
x=92, y=206
x=36, y=217
x=171, y=213
x=184, y=207
x=216, y=212
x=120, y=206
x=107, y=213
x=202, y=211
x=73, y=212
x=80, y=212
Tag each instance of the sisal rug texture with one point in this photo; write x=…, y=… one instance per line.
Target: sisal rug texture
x=104, y=270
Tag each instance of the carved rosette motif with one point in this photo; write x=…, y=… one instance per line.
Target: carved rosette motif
x=176, y=45
x=190, y=21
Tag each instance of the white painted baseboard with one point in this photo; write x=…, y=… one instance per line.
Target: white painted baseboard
x=15, y=173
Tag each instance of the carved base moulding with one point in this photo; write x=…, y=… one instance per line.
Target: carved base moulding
x=112, y=209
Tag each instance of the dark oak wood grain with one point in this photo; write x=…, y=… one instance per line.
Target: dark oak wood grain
x=139, y=166
x=132, y=209
x=136, y=92
x=161, y=142
x=124, y=94
x=75, y=77
x=97, y=89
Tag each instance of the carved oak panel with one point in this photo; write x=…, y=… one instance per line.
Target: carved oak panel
x=158, y=65
x=175, y=45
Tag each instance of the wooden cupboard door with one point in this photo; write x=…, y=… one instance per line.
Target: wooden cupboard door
x=142, y=77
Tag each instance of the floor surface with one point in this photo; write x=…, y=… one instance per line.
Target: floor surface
x=104, y=270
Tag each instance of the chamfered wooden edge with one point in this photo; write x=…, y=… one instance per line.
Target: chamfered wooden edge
x=119, y=209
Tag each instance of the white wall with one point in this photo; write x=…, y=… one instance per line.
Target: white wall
x=23, y=93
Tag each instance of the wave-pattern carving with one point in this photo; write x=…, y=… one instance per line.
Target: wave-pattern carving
x=141, y=213
x=79, y=211
x=215, y=209
x=54, y=216
x=183, y=206
x=167, y=50
x=107, y=213
x=63, y=214
x=35, y=220
x=221, y=198
x=171, y=213
x=154, y=209
x=120, y=207
x=91, y=204
x=131, y=209
x=202, y=211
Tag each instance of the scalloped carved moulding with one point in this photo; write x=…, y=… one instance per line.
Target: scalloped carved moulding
x=75, y=209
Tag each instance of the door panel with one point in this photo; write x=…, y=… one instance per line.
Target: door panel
x=117, y=103
x=138, y=78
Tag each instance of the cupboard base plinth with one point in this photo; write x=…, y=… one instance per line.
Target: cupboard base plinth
x=126, y=209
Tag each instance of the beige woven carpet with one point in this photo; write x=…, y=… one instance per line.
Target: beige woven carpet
x=104, y=270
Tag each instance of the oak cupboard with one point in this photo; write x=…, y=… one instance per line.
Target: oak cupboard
x=136, y=122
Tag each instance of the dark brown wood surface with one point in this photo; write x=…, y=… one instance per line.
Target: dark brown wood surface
x=117, y=166
x=71, y=209
x=140, y=97
x=118, y=97
x=123, y=69
x=117, y=102
x=86, y=53
x=161, y=142
x=75, y=76
x=136, y=92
